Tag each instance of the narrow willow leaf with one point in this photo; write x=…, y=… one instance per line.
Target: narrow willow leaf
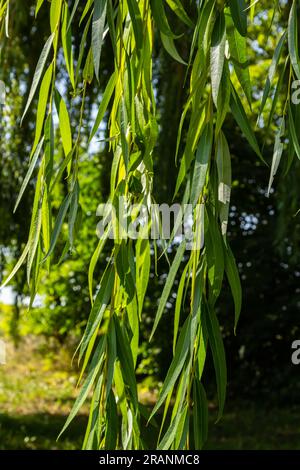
x=178, y=305
x=214, y=254
x=95, y=258
x=38, y=72
x=170, y=47
x=200, y=414
x=111, y=356
x=82, y=48
x=97, y=32
x=293, y=39
x=238, y=9
x=293, y=133
x=87, y=7
x=88, y=383
x=38, y=6
x=218, y=353
x=35, y=227
x=168, y=285
x=46, y=224
x=172, y=431
x=29, y=172
x=74, y=204
x=74, y=9
x=111, y=434
x=239, y=57
x=64, y=123
x=126, y=360
x=224, y=180
x=104, y=104
x=91, y=441
x=143, y=262
x=58, y=224
x=243, y=122
x=7, y=19
x=201, y=163
x=42, y=106
x=277, y=92
x=277, y=154
x=17, y=266
x=100, y=305
x=177, y=7
x=233, y=277
x=217, y=55
x=34, y=237
x=223, y=98
x=272, y=71
x=137, y=24
x=160, y=18
x=182, y=350
x=67, y=45
x=55, y=11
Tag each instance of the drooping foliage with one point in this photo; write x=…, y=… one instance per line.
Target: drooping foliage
x=214, y=61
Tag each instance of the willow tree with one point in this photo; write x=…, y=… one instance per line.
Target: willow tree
x=217, y=82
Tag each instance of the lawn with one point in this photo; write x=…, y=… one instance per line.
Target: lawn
x=37, y=389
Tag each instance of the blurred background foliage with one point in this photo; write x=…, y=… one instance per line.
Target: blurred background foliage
x=264, y=232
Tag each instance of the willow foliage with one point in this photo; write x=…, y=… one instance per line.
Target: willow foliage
x=217, y=82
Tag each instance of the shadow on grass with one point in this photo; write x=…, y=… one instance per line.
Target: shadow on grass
x=241, y=428
x=40, y=431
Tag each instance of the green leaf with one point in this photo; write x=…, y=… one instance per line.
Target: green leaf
x=66, y=38
x=170, y=47
x=16, y=267
x=217, y=55
x=74, y=204
x=238, y=9
x=243, y=122
x=95, y=258
x=143, y=262
x=178, y=9
x=218, y=353
x=223, y=98
x=104, y=103
x=168, y=285
x=172, y=431
x=97, y=32
x=137, y=24
x=74, y=9
x=200, y=414
x=42, y=106
x=38, y=6
x=38, y=72
x=88, y=383
x=55, y=10
x=126, y=360
x=224, y=180
x=233, y=277
x=293, y=39
x=160, y=18
x=182, y=350
x=178, y=305
x=64, y=123
x=277, y=154
x=201, y=163
x=293, y=132
x=100, y=305
x=272, y=70
x=239, y=57
x=111, y=433
x=29, y=172
x=58, y=224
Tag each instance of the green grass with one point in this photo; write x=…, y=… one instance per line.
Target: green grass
x=37, y=390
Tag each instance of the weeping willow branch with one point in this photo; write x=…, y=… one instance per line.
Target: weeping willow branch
x=217, y=83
